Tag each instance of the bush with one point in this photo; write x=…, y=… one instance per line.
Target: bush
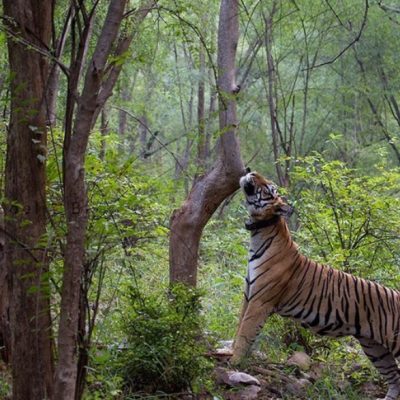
x=165, y=344
x=349, y=220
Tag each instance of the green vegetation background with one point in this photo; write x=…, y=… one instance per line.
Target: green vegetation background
x=344, y=184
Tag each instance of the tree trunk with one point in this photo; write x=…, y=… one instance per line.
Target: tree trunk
x=126, y=95
x=143, y=128
x=25, y=199
x=202, y=140
x=210, y=123
x=54, y=75
x=76, y=204
x=375, y=111
x=5, y=333
x=222, y=179
x=104, y=130
x=282, y=174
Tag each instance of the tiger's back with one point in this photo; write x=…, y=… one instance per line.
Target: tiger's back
x=334, y=303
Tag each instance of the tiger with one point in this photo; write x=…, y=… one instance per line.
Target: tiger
x=330, y=302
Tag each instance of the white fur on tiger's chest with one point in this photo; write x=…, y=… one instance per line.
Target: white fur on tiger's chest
x=257, y=275
x=251, y=271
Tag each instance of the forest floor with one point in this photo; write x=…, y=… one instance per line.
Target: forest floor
x=299, y=378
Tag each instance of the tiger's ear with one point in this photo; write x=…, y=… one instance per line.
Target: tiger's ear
x=284, y=209
x=273, y=190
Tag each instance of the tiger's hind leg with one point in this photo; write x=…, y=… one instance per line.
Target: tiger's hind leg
x=385, y=363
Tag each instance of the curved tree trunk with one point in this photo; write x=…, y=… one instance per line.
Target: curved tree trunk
x=222, y=179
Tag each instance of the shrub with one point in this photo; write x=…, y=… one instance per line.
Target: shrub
x=349, y=220
x=165, y=344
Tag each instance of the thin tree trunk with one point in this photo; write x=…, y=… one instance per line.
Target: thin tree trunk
x=143, y=129
x=76, y=205
x=273, y=110
x=122, y=46
x=122, y=124
x=104, y=130
x=212, y=109
x=375, y=112
x=126, y=95
x=25, y=199
x=54, y=76
x=202, y=142
x=222, y=179
x=83, y=339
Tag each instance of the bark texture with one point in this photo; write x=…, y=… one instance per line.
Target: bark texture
x=28, y=24
x=5, y=333
x=99, y=81
x=76, y=206
x=222, y=179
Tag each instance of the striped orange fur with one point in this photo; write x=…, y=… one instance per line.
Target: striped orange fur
x=330, y=302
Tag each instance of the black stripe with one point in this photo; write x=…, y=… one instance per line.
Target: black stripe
x=355, y=281
x=357, y=324
x=310, y=310
x=262, y=249
x=328, y=311
x=339, y=322
x=299, y=290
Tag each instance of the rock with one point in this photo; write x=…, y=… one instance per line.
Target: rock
x=300, y=359
x=221, y=355
x=234, y=378
x=317, y=371
x=224, y=352
x=298, y=386
x=247, y=393
x=371, y=390
x=241, y=378
x=228, y=344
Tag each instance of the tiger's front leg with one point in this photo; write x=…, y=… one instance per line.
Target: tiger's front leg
x=253, y=319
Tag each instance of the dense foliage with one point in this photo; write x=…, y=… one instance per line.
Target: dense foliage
x=165, y=345
x=348, y=219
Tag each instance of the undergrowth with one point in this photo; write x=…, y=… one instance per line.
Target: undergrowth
x=165, y=344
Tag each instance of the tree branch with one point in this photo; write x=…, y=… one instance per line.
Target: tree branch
x=355, y=40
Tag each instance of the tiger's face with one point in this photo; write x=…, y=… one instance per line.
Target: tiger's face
x=262, y=199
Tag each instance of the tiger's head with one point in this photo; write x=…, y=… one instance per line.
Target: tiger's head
x=262, y=199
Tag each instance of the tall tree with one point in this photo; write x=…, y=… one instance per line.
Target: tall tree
x=222, y=179
x=99, y=80
x=202, y=145
x=29, y=27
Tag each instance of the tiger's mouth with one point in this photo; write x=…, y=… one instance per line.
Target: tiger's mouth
x=249, y=189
